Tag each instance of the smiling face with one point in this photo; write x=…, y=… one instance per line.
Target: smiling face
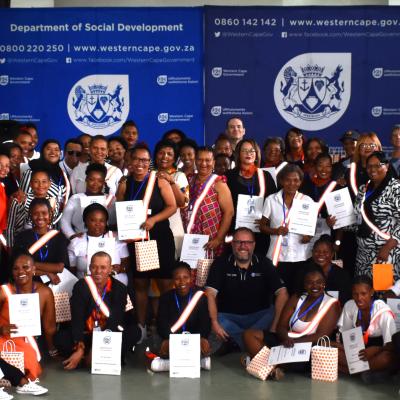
x=362, y=295
x=40, y=184
x=40, y=216
x=273, y=153
x=205, y=162
x=247, y=155
x=98, y=150
x=243, y=246
x=23, y=270
x=182, y=281
x=314, y=284
x=187, y=155
x=376, y=170
x=25, y=142
x=223, y=146
x=130, y=134
x=16, y=158
x=313, y=149
x=165, y=158
x=100, y=269
x=116, y=151
x=295, y=141
x=140, y=163
x=366, y=147
x=52, y=153
x=4, y=166
x=322, y=255
x=95, y=182
x=323, y=168
x=96, y=223
x=235, y=130
x=291, y=183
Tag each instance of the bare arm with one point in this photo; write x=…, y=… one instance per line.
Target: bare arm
x=213, y=311
x=48, y=316
x=281, y=299
x=265, y=228
x=121, y=189
x=43, y=268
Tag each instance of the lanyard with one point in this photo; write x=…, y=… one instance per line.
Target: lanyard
x=284, y=208
x=134, y=196
x=42, y=256
x=97, y=304
x=296, y=315
x=359, y=317
x=179, y=307
x=193, y=196
x=250, y=188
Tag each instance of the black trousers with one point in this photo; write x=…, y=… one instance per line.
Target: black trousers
x=11, y=373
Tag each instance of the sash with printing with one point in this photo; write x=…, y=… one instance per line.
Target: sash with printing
x=187, y=311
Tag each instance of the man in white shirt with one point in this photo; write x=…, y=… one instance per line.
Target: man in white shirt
x=98, y=152
x=72, y=152
x=32, y=130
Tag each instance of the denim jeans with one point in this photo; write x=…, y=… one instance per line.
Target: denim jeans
x=235, y=324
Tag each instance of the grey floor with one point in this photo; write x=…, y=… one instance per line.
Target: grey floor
x=226, y=380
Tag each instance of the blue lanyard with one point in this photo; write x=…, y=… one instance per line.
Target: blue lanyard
x=179, y=307
x=133, y=197
x=42, y=256
x=102, y=299
x=250, y=188
x=296, y=315
x=283, y=208
x=368, y=193
x=359, y=317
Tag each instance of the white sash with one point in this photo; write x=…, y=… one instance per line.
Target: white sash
x=110, y=172
x=261, y=182
x=376, y=316
x=316, y=320
x=67, y=187
x=328, y=190
x=280, y=167
x=187, y=311
x=96, y=297
x=42, y=241
x=199, y=200
x=109, y=199
x=353, y=178
x=278, y=245
x=3, y=240
x=149, y=190
x=30, y=339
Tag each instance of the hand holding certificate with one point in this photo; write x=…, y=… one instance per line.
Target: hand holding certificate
x=249, y=208
x=340, y=206
x=300, y=352
x=130, y=217
x=353, y=343
x=24, y=312
x=303, y=217
x=193, y=248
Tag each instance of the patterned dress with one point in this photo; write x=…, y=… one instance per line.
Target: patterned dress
x=383, y=209
x=209, y=215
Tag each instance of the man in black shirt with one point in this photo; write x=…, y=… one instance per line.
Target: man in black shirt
x=241, y=288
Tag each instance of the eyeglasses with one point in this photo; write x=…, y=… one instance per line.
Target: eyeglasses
x=375, y=166
x=243, y=242
x=141, y=160
x=74, y=153
x=295, y=136
x=367, y=145
x=248, y=151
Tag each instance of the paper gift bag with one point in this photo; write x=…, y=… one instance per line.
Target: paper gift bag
x=202, y=270
x=258, y=366
x=324, y=361
x=146, y=255
x=129, y=305
x=382, y=276
x=13, y=357
x=62, y=306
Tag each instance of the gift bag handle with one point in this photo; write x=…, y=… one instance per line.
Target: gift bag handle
x=324, y=341
x=9, y=344
x=210, y=252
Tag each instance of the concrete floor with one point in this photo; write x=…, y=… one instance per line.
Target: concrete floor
x=226, y=380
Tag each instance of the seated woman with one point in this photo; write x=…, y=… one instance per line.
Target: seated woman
x=95, y=218
x=306, y=317
x=48, y=247
x=72, y=224
x=377, y=322
x=98, y=303
x=23, y=270
x=172, y=305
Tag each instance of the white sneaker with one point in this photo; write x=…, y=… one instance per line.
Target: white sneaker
x=205, y=363
x=4, y=395
x=143, y=336
x=159, y=365
x=32, y=387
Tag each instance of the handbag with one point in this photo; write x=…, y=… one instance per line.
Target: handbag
x=202, y=269
x=62, y=306
x=146, y=254
x=258, y=366
x=324, y=361
x=13, y=357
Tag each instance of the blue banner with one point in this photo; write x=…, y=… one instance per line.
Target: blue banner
x=322, y=69
x=91, y=69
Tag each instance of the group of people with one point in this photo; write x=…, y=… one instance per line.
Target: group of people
x=266, y=285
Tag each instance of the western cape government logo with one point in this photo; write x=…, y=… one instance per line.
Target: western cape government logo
x=312, y=90
x=99, y=104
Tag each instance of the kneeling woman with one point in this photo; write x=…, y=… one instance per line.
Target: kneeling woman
x=305, y=318
x=98, y=303
x=377, y=322
x=172, y=312
x=23, y=270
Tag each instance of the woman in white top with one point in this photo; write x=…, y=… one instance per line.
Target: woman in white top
x=95, y=217
x=288, y=251
x=377, y=322
x=165, y=157
x=71, y=222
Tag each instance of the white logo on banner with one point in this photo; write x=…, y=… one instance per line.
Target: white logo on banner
x=3, y=80
x=162, y=80
x=99, y=104
x=376, y=111
x=377, y=73
x=312, y=90
x=2, y=60
x=216, y=111
x=163, y=118
x=216, y=72
x=4, y=117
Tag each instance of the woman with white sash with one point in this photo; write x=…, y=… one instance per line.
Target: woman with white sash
x=308, y=315
x=378, y=326
x=248, y=179
x=98, y=303
x=210, y=208
x=159, y=200
x=166, y=155
x=47, y=246
x=72, y=224
x=377, y=208
x=287, y=251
